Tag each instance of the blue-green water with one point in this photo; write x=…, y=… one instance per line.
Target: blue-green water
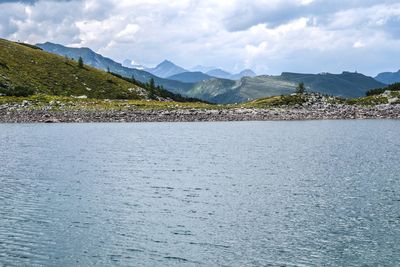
x=319, y=193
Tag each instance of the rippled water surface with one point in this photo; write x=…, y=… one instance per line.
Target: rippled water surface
x=320, y=193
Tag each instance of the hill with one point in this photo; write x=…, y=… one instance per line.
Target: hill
x=213, y=88
x=345, y=85
x=190, y=77
x=25, y=69
x=388, y=77
x=98, y=61
x=243, y=73
x=166, y=69
x=219, y=73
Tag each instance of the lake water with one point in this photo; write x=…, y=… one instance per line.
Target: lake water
x=317, y=193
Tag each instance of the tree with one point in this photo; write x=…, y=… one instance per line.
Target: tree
x=152, y=84
x=80, y=62
x=133, y=78
x=108, y=69
x=300, y=88
x=152, y=89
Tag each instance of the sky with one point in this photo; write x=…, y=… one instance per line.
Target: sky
x=268, y=36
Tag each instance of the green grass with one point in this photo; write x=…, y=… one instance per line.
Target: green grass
x=368, y=101
x=277, y=101
x=56, y=103
x=38, y=102
x=373, y=100
x=25, y=66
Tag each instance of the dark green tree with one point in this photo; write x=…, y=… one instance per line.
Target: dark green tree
x=152, y=89
x=80, y=62
x=151, y=83
x=301, y=88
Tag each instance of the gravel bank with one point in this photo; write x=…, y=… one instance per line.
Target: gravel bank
x=20, y=114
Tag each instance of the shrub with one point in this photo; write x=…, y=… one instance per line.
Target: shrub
x=3, y=65
x=301, y=88
x=17, y=91
x=378, y=91
x=394, y=87
x=80, y=62
x=31, y=46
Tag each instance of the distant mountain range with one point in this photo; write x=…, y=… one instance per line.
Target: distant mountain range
x=167, y=69
x=198, y=76
x=220, y=73
x=213, y=87
x=388, y=77
x=346, y=84
x=203, y=69
x=100, y=62
x=190, y=77
x=243, y=73
x=129, y=64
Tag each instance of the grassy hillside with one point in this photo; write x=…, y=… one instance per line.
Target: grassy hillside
x=345, y=85
x=209, y=89
x=26, y=68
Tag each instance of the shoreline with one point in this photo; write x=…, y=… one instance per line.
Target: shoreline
x=331, y=112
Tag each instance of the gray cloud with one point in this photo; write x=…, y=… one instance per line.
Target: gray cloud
x=268, y=36
x=32, y=1
x=275, y=13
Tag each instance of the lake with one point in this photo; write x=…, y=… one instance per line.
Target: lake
x=300, y=193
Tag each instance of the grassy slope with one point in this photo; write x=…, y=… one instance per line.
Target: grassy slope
x=90, y=104
x=209, y=89
x=264, y=86
x=249, y=88
x=50, y=74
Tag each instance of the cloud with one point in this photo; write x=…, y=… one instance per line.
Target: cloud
x=269, y=36
x=31, y=1
x=277, y=12
x=358, y=44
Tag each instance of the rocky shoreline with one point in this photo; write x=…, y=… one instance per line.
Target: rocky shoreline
x=316, y=112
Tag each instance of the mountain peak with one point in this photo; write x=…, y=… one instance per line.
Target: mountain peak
x=165, y=69
x=248, y=72
x=219, y=73
x=166, y=61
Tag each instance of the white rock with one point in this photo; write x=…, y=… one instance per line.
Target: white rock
x=79, y=97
